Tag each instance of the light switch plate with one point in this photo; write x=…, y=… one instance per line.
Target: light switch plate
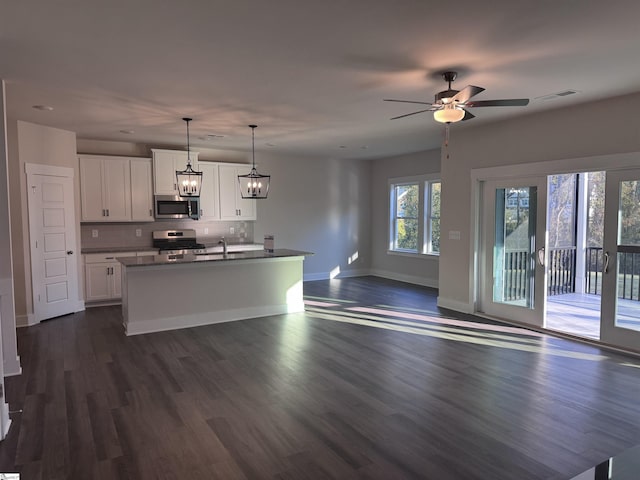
x=138, y=232
x=94, y=233
x=454, y=235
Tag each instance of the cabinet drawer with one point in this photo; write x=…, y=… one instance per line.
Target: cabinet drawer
x=106, y=257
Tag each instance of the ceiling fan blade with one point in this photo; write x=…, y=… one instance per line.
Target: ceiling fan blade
x=407, y=101
x=467, y=116
x=414, y=113
x=466, y=93
x=511, y=102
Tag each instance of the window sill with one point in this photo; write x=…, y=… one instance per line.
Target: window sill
x=426, y=256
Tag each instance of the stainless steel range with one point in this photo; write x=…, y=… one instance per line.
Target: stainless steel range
x=177, y=242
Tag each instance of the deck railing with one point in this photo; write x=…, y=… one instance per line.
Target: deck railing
x=516, y=283
x=628, y=271
x=561, y=274
x=593, y=269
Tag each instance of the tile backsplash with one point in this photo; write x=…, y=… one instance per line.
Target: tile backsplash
x=124, y=234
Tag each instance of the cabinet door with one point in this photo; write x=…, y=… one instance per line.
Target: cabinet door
x=117, y=189
x=209, y=198
x=97, y=281
x=164, y=174
x=246, y=206
x=91, y=197
x=141, y=190
x=228, y=182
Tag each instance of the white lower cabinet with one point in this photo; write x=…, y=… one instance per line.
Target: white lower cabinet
x=103, y=276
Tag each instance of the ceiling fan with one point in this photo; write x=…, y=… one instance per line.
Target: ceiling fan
x=450, y=105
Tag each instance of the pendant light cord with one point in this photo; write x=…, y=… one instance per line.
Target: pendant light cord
x=188, y=143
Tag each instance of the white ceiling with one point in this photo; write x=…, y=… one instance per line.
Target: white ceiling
x=312, y=75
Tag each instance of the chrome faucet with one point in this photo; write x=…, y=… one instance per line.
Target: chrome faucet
x=223, y=242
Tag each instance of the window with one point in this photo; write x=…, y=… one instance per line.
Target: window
x=414, y=215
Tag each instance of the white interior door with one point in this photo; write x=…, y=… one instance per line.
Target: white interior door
x=52, y=236
x=620, y=321
x=512, y=245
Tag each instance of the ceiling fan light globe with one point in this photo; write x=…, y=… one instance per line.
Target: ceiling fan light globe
x=448, y=115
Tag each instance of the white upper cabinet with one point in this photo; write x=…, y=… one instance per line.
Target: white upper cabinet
x=105, y=189
x=165, y=165
x=115, y=189
x=141, y=190
x=232, y=205
x=209, y=197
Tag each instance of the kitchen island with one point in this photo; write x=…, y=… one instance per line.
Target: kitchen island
x=166, y=292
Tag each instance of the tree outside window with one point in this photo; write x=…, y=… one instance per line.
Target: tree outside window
x=415, y=215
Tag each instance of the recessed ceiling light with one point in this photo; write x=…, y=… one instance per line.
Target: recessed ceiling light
x=127, y=132
x=213, y=135
x=270, y=144
x=342, y=146
x=45, y=108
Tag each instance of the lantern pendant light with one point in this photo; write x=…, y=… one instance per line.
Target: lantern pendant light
x=254, y=185
x=189, y=181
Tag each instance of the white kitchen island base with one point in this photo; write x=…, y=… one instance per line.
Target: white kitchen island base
x=158, y=294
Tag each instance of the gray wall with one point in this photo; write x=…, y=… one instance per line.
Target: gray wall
x=30, y=143
x=419, y=269
x=571, y=137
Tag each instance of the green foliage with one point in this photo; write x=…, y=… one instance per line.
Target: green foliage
x=407, y=222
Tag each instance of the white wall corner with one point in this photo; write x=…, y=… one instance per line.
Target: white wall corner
x=12, y=366
x=27, y=320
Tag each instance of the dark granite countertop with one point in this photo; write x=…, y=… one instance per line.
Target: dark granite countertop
x=150, y=260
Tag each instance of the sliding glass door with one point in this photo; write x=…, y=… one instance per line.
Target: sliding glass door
x=620, y=322
x=513, y=224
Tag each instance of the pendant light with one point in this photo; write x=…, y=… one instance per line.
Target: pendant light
x=189, y=181
x=254, y=185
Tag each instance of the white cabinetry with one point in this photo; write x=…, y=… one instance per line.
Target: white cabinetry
x=103, y=276
x=105, y=189
x=115, y=189
x=141, y=190
x=165, y=165
x=209, y=198
x=232, y=205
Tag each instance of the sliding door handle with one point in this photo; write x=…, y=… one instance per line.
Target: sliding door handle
x=541, y=256
x=605, y=267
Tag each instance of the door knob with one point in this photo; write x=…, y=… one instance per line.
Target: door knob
x=69, y=252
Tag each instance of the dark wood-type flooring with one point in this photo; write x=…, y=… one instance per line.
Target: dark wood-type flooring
x=372, y=381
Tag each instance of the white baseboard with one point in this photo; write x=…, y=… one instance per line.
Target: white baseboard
x=425, y=282
x=454, y=305
x=209, y=318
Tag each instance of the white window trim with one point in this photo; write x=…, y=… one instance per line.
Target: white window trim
x=424, y=223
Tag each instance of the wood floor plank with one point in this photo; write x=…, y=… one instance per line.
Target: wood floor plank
x=372, y=381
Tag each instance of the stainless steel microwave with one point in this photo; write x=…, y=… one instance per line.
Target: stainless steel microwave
x=174, y=206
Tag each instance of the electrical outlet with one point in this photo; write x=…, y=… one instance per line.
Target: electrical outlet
x=206, y=230
x=94, y=233
x=232, y=230
x=138, y=232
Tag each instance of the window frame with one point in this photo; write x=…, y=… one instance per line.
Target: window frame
x=425, y=216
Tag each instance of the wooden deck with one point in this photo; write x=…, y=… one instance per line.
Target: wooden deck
x=579, y=314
